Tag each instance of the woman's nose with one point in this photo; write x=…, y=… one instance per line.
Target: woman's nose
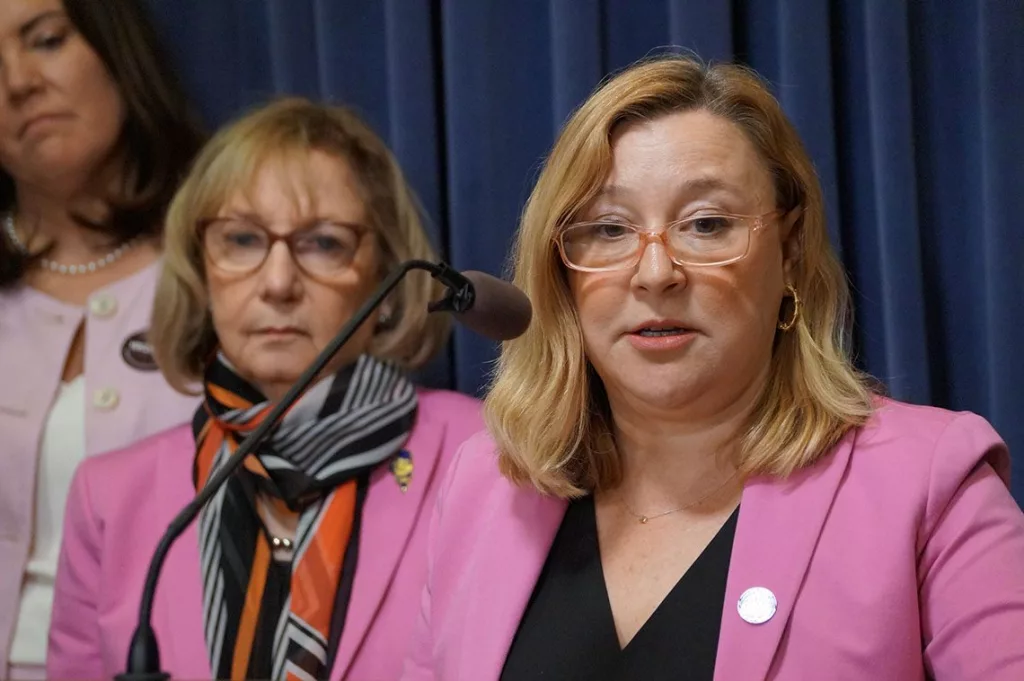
x=280, y=274
x=656, y=271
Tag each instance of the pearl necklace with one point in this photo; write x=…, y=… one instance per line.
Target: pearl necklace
x=60, y=268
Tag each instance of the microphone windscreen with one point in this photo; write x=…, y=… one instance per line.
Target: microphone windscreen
x=500, y=311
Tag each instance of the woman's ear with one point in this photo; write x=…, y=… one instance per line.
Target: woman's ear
x=789, y=233
x=385, y=317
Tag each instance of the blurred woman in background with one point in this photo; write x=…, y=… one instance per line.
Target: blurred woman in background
x=311, y=560
x=95, y=134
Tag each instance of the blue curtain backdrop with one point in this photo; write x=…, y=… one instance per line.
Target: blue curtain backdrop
x=911, y=110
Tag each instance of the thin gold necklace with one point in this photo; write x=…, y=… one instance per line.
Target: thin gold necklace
x=644, y=518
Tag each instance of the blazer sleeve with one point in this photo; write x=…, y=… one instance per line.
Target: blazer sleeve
x=971, y=566
x=74, y=646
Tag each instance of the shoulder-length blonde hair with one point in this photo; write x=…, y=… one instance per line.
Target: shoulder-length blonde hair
x=547, y=409
x=288, y=129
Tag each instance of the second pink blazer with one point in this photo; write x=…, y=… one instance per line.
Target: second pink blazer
x=121, y=503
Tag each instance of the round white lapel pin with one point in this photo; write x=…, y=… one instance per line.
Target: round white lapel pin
x=757, y=605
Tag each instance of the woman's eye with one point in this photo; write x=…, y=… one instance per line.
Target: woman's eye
x=326, y=243
x=710, y=224
x=50, y=41
x=610, y=230
x=243, y=239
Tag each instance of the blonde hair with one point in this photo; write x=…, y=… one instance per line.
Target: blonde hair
x=182, y=332
x=547, y=409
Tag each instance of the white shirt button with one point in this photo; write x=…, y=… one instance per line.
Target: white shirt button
x=106, y=399
x=103, y=305
x=757, y=605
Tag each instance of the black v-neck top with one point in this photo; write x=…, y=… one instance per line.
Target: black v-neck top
x=568, y=632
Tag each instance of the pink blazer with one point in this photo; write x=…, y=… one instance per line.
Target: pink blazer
x=898, y=556
x=120, y=504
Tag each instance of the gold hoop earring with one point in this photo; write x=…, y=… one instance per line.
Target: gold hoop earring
x=789, y=324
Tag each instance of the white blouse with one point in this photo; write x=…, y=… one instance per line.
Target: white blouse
x=61, y=449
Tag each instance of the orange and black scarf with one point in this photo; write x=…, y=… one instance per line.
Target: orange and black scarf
x=314, y=464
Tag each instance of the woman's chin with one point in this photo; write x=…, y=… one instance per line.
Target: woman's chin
x=670, y=387
x=269, y=378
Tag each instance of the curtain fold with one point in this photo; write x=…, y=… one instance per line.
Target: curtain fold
x=910, y=109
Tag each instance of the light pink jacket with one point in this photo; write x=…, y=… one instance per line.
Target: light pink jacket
x=124, y=402
x=900, y=555
x=121, y=503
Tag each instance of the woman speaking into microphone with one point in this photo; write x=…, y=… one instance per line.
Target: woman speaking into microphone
x=310, y=561
x=685, y=477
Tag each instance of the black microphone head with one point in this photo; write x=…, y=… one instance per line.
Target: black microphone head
x=500, y=311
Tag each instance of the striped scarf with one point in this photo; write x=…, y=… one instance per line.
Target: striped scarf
x=310, y=465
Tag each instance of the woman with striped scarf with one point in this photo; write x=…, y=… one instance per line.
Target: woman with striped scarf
x=309, y=563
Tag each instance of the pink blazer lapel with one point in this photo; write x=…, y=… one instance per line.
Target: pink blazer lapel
x=388, y=519
x=389, y=516
x=779, y=524
x=519, y=530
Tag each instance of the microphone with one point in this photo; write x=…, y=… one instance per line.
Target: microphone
x=484, y=304
x=498, y=311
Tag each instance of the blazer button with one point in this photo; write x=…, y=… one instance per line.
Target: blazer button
x=103, y=305
x=106, y=399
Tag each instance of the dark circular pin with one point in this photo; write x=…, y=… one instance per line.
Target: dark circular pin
x=138, y=353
